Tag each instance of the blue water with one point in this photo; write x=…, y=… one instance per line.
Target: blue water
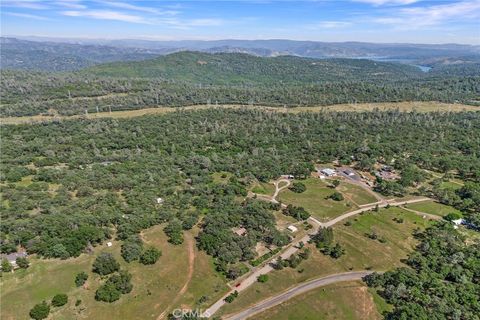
x=405, y=61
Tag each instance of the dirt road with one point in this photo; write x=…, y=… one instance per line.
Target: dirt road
x=191, y=263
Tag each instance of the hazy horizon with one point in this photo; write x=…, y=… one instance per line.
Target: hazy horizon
x=73, y=39
x=374, y=21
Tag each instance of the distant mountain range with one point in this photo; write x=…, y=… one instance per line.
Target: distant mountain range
x=55, y=54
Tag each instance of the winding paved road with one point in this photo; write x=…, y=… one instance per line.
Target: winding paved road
x=293, y=248
x=295, y=291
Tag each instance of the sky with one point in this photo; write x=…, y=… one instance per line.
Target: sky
x=387, y=21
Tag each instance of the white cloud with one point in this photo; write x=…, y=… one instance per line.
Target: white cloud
x=132, y=7
x=70, y=4
x=417, y=17
x=26, y=15
x=184, y=24
x=106, y=15
x=329, y=25
x=26, y=4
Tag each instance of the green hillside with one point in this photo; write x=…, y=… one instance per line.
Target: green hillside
x=237, y=68
x=193, y=78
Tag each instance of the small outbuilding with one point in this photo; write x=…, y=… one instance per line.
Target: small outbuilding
x=292, y=228
x=240, y=231
x=109, y=244
x=160, y=200
x=328, y=172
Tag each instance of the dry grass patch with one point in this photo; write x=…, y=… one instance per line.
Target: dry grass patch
x=347, y=301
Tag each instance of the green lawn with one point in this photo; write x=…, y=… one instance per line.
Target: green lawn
x=314, y=200
x=264, y=188
x=361, y=253
x=450, y=185
x=346, y=301
x=432, y=207
x=356, y=193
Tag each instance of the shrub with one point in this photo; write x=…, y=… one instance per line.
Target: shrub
x=453, y=216
x=59, y=300
x=150, y=256
x=105, y=264
x=337, y=196
x=262, y=278
x=131, y=249
x=108, y=293
x=22, y=262
x=298, y=187
x=80, y=279
x=231, y=297
x=6, y=266
x=121, y=282
x=174, y=231
x=40, y=311
x=337, y=251
x=298, y=213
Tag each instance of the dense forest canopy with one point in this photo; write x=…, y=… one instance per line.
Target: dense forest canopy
x=191, y=78
x=93, y=180
x=244, y=69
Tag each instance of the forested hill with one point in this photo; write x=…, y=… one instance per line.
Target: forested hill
x=239, y=68
x=193, y=78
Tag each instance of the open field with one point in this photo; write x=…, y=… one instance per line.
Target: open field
x=361, y=253
x=264, y=188
x=154, y=287
x=347, y=300
x=355, y=193
x=315, y=202
x=428, y=106
x=432, y=207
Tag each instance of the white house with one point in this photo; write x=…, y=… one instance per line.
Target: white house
x=457, y=223
x=109, y=244
x=292, y=228
x=160, y=200
x=328, y=172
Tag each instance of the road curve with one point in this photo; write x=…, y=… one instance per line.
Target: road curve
x=292, y=248
x=299, y=289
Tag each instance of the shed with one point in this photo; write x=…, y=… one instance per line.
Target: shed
x=328, y=172
x=292, y=228
x=240, y=231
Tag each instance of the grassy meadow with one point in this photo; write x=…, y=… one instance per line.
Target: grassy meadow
x=432, y=207
x=154, y=287
x=315, y=201
x=346, y=301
